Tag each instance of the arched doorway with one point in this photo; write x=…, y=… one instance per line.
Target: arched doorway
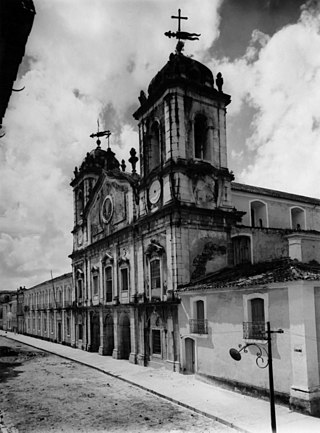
x=108, y=335
x=189, y=356
x=95, y=333
x=125, y=338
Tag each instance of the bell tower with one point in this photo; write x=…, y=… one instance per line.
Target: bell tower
x=182, y=134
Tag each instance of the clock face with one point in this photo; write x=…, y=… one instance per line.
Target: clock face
x=107, y=209
x=154, y=191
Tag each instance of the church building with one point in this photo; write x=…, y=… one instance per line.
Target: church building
x=137, y=238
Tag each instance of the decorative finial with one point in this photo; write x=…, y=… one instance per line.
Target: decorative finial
x=133, y=159
x=181, y=35
x=142, y=98
x=123, y=165
x=101, y=134
x=219, y=81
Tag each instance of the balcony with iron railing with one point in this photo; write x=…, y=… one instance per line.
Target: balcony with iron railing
x=198, y=326
x=254, y=330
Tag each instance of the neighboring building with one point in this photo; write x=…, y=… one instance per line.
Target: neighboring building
x=20, y=310
x=16, y=20
x=10, y=313
x=48, y=310
x=274, y=276
x=5, y=298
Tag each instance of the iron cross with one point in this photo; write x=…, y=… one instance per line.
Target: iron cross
x=179, y=18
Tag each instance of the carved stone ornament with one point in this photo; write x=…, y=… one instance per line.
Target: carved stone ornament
x=107, y=209
x=123, y=258
x=95, y=269
x=79, y=273
x=107, y=257
x=154, y=248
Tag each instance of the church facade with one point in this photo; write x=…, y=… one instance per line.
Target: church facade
x=136, y=238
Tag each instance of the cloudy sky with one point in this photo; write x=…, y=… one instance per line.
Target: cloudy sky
x=89, y=59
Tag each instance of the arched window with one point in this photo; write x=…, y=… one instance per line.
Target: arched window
x=198, y=324
x=258, y=213
x=79, y=205
x=297, y=218
x=201, y=145
x=155, y=146
x=255, y=327
x=200, y=310
x=241, y=249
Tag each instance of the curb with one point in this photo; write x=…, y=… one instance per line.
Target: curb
x=172, y=400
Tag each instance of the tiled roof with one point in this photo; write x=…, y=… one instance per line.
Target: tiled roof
x=258, y=274
x=235, y=186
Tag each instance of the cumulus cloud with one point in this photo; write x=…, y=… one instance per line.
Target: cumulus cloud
x=280, y=77
x=84, y=61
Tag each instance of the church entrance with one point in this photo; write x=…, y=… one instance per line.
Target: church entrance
x=189, y=356
x=108, y=335
x=95, y=333
x=125, y=338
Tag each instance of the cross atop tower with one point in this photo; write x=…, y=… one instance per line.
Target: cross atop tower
x=180, y=34
x=179, y=18
x=101, y=134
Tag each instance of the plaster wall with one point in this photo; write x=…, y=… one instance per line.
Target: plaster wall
x=207, y=251
x=225, y=314
x=279, y=211
x=266, y=244
x=310, y=250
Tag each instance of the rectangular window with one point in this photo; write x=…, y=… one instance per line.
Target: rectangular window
x=124, y=279
x=68, y=326
x=80, y=331
x=255, y=329
x=80, y=289
x=45, y=324
x=108, y=283
x=95, y=283
x=156, y=341
x=155, y=274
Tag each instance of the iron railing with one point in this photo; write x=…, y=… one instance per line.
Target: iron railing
x=198, y=326
x=254, y=330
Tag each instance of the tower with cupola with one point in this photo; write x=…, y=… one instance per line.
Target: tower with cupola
x=182, y=136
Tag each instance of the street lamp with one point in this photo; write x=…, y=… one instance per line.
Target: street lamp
x=235, y=354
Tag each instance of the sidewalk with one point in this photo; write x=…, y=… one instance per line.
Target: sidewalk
x=242, y=412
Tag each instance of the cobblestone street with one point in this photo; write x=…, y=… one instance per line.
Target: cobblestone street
x=45, y=393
